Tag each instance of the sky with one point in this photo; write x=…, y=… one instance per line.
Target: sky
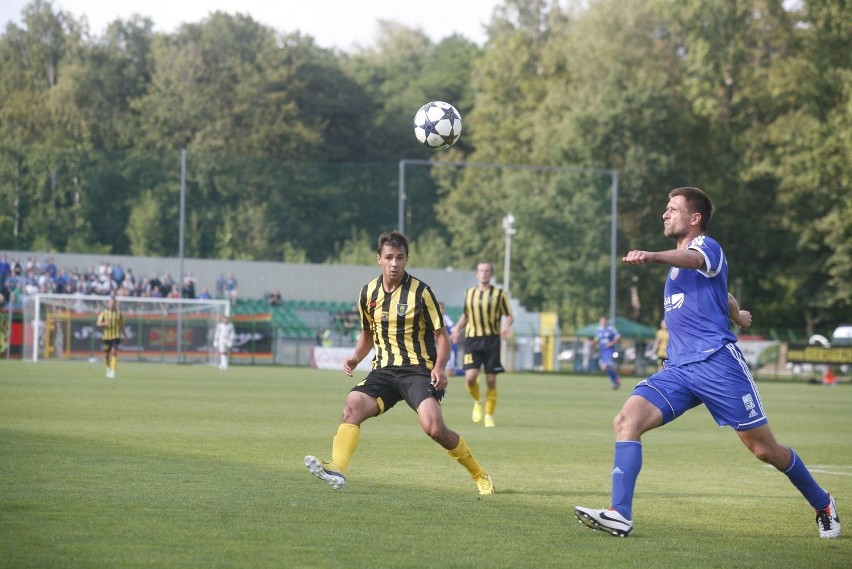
x=341, y=24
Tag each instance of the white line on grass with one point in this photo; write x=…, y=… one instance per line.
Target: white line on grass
x=822, y=469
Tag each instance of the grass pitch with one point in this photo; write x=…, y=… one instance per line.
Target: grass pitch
x=179, y=466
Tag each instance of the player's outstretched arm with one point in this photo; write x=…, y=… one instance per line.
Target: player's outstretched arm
x=682, y=258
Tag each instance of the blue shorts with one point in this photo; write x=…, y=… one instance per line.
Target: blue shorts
x=723, y=383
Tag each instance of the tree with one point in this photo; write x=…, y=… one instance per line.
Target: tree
x=31, y=120
x=776, y=92
x=591, y=87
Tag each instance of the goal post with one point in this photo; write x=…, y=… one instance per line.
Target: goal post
x=176, y=330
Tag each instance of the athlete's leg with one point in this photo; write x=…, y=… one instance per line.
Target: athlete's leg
x=637, y=416
x=471, y=377
x=613, y=375
x=358, y=408
x=761, y=442
x=490, y=394
x=432, y=422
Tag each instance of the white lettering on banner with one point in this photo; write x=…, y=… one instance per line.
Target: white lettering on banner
x=333, y=358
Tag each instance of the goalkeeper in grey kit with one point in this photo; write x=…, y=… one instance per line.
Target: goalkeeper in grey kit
x=223, y=340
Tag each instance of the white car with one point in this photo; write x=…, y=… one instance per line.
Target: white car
x=842, y=336
x=566, y=355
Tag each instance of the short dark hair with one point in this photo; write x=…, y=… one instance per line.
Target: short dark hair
x=393, y=239
x=698, y=202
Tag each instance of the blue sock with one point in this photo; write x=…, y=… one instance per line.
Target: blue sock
x=625, y=469
x=801, y=478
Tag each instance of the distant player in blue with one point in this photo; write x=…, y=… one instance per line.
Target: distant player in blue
x=704, y=366
x=450, y=324
x=607, y=338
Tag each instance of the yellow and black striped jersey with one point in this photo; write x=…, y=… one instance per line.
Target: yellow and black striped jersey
x=113, y=321
x=403, y=322
x=484, y=309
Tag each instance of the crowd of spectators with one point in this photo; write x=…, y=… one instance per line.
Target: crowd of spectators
x=19, y=279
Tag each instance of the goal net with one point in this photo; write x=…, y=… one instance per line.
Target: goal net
x=62, y=327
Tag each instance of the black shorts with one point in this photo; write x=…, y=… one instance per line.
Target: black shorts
x=110, y=344
x=390, y=385
x=483, y=351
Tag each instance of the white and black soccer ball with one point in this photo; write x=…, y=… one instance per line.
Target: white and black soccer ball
x=437, y=125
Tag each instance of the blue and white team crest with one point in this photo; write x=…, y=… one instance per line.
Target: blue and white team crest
x=748, y=402
x=674, y=301
x=697, y=242
x=401, y=309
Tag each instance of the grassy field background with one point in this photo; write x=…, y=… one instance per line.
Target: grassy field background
x=182, y=466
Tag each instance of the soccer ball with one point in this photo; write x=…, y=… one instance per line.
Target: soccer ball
x=437, y=124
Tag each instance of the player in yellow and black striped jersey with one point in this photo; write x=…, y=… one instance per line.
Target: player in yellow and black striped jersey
x=484, y=308
x=111, y=322
x=402, y=322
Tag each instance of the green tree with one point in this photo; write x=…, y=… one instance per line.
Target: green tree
x=31, y=118
x=401, y=73
x=773, y=84
x=591, y=88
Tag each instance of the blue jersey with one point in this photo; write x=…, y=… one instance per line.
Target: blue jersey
x=696, y=306
x=605, y=336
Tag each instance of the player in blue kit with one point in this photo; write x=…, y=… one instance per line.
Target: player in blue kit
x=607, y=337
x=704, y=366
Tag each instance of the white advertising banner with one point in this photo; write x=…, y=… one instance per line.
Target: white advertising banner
x=333, y=358
x=753, y=349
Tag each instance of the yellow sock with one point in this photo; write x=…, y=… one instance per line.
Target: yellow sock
x=343, y=446
x=490, y=400
x=113, y=362
x=462, y=454
x=474, y=390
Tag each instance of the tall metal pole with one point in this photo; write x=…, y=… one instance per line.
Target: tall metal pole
x=9, y=331
x=613, y=233
x=509, y=229
x=179, y=338
x=400, y=222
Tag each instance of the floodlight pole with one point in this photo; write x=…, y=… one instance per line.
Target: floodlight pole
x=509, y=229
x=613, y=234
x=400, y=224
x=613, y=229
x=179, y=339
